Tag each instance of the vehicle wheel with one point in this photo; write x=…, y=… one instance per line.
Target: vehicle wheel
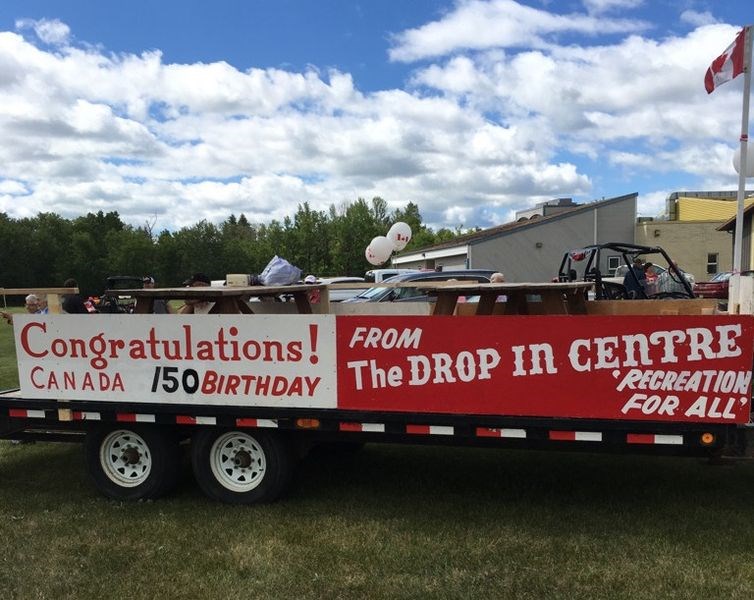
x=132, y=463
x=240, y=467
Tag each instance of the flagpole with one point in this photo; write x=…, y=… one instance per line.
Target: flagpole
x=741, y=197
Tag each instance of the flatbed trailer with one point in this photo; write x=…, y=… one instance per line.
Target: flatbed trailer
x=251, y=385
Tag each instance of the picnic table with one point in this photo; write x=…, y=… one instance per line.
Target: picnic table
x=227, y=299
x=559, y=298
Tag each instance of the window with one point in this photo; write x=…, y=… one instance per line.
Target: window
x=712, y=262
x=613, y=262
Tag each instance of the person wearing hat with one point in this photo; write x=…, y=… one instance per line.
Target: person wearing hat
x=194, y=306
x=160, y=305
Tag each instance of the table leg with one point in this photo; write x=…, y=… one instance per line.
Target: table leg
x=576, y=302
x=552, y=302
x=243, y=306
x=302, y=303
x=446, y=303
x=486, y=304
x=516, y=303
x=144, y=306
x=224, y=306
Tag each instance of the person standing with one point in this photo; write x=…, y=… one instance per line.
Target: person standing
x=73, y=303
x=33, y=307
x=160, y=305
x=634, y=280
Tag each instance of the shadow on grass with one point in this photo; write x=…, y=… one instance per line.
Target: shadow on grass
x=489, y=476
x=554, y=491
x=394, y=521
x=441, y=487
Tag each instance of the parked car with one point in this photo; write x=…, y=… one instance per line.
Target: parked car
x=342, y=294
x=380, y=275
x=414, y=294
x=717, y=287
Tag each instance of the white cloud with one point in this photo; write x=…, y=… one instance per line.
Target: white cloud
x=50, y=31
x=697, y=19
x=472, y=138
x=603, y=6
x=480, y=25
x=12, y=187
x=653, y=203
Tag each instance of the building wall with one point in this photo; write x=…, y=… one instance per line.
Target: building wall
x=688, y=243
x=534, y=253
x=456, y=261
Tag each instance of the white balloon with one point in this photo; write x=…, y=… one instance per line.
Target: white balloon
x=381, y=247
x=400, y=235
x=371, y=257
x=749, y=161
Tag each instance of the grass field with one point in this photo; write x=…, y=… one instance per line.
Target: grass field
x=388, y=522
x=8, y=372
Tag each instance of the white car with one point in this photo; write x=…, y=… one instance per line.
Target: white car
x=339, y=294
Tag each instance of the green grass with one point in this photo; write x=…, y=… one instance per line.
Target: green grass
x=387, y=522
x=8, y=371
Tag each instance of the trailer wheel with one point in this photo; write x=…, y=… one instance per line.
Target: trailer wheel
x=132, y=463
x=240, y=467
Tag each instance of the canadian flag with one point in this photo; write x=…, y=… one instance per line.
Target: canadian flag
x=728, y=65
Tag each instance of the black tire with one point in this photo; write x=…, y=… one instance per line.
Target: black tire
x=241, y=467
x=132, y=462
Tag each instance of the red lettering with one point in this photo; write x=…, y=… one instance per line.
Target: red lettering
x=34, y=382
x=294, y=351
x=25, y=339
x=104, y=381
x=69, y=380
x=88, y=384
x=297, y=387
x=232, y=385
x=118, y=383
x=279, y=385
x=209, y=382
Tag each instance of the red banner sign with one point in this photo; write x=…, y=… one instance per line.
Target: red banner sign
x=666, y=368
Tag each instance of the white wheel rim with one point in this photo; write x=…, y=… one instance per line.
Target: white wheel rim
x=237, y=461
x=125, y=458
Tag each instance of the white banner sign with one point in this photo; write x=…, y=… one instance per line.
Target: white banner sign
x=278, y=361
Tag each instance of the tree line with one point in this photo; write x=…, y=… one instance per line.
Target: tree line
x=45, y=250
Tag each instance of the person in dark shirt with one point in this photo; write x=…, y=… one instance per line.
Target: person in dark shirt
x=73, y=303
x=634, y=279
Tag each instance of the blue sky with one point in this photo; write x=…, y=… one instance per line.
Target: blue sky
x=169, y=112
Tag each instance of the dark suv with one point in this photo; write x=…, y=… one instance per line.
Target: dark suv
x=414, y=294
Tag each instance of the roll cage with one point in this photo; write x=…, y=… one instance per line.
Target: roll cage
x=590, y=257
